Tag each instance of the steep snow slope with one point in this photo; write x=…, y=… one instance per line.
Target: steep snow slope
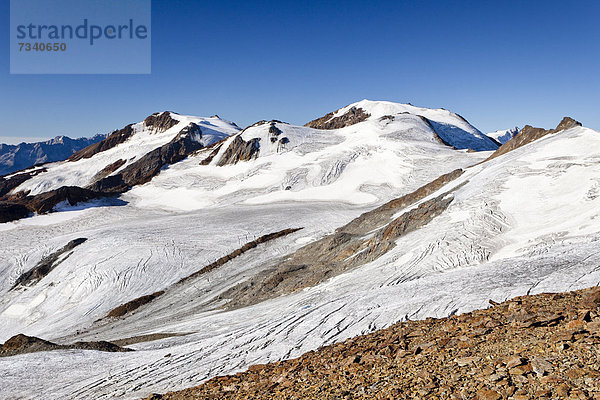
x=144, y=139
x=503, y=136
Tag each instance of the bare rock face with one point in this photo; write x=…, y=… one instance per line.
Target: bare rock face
x=133, y=305
x=362, y=240
x=22, y=344
x=485, y=354
x=12, y=211
x=139, y=172
x=240, y=150
x=160, y=122
x=353, y=116
x=45, y=202
x=109, y=169
x=115, y=138
x=529, y=134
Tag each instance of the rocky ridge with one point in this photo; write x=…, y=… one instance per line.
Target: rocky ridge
x=22, y=344
x=529, y=134
x=545, y=346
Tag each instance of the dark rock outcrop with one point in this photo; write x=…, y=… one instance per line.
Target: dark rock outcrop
x=47, y=264
x=45, y=202
x=157, y=122
x=240, y=150
x=160, y=122
x=109, y=169
x=353, y=116
x=238, y=252
x=137, y=173
x=115, y=138
x=133, y=305
x=22, y=344
x=8, y=184
x=529, y=134
x=12, y=211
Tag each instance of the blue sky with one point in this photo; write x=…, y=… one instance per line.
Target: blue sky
x=497, y=63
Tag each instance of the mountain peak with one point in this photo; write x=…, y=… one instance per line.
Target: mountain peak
x=567, y=123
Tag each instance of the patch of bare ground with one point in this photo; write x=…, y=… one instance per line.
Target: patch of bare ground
x=545, y=346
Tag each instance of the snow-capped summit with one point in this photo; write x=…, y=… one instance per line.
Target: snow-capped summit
x=504, y=135
x=124, y=147
x=356, y=155
x=450, y=128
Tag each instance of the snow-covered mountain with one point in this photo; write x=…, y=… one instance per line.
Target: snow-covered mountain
x=24, y=155
x=202, y=269
x=503, y=136
x=448, y=127
x=127, y=157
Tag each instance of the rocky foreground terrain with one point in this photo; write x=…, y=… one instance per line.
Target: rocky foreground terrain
x=545, y=346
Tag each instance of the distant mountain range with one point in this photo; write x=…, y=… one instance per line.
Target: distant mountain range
x=24, y=155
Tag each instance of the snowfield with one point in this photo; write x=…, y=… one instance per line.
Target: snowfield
x=523, y=223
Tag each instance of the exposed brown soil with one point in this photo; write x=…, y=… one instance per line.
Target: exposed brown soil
x=22, y=344
x=364, y=239
x=532, y=347
x=47, y=264
x=529, y=134
x=133, y=305
x=353, y=116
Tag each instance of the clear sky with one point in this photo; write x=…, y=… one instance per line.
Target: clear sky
x=497, y=63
